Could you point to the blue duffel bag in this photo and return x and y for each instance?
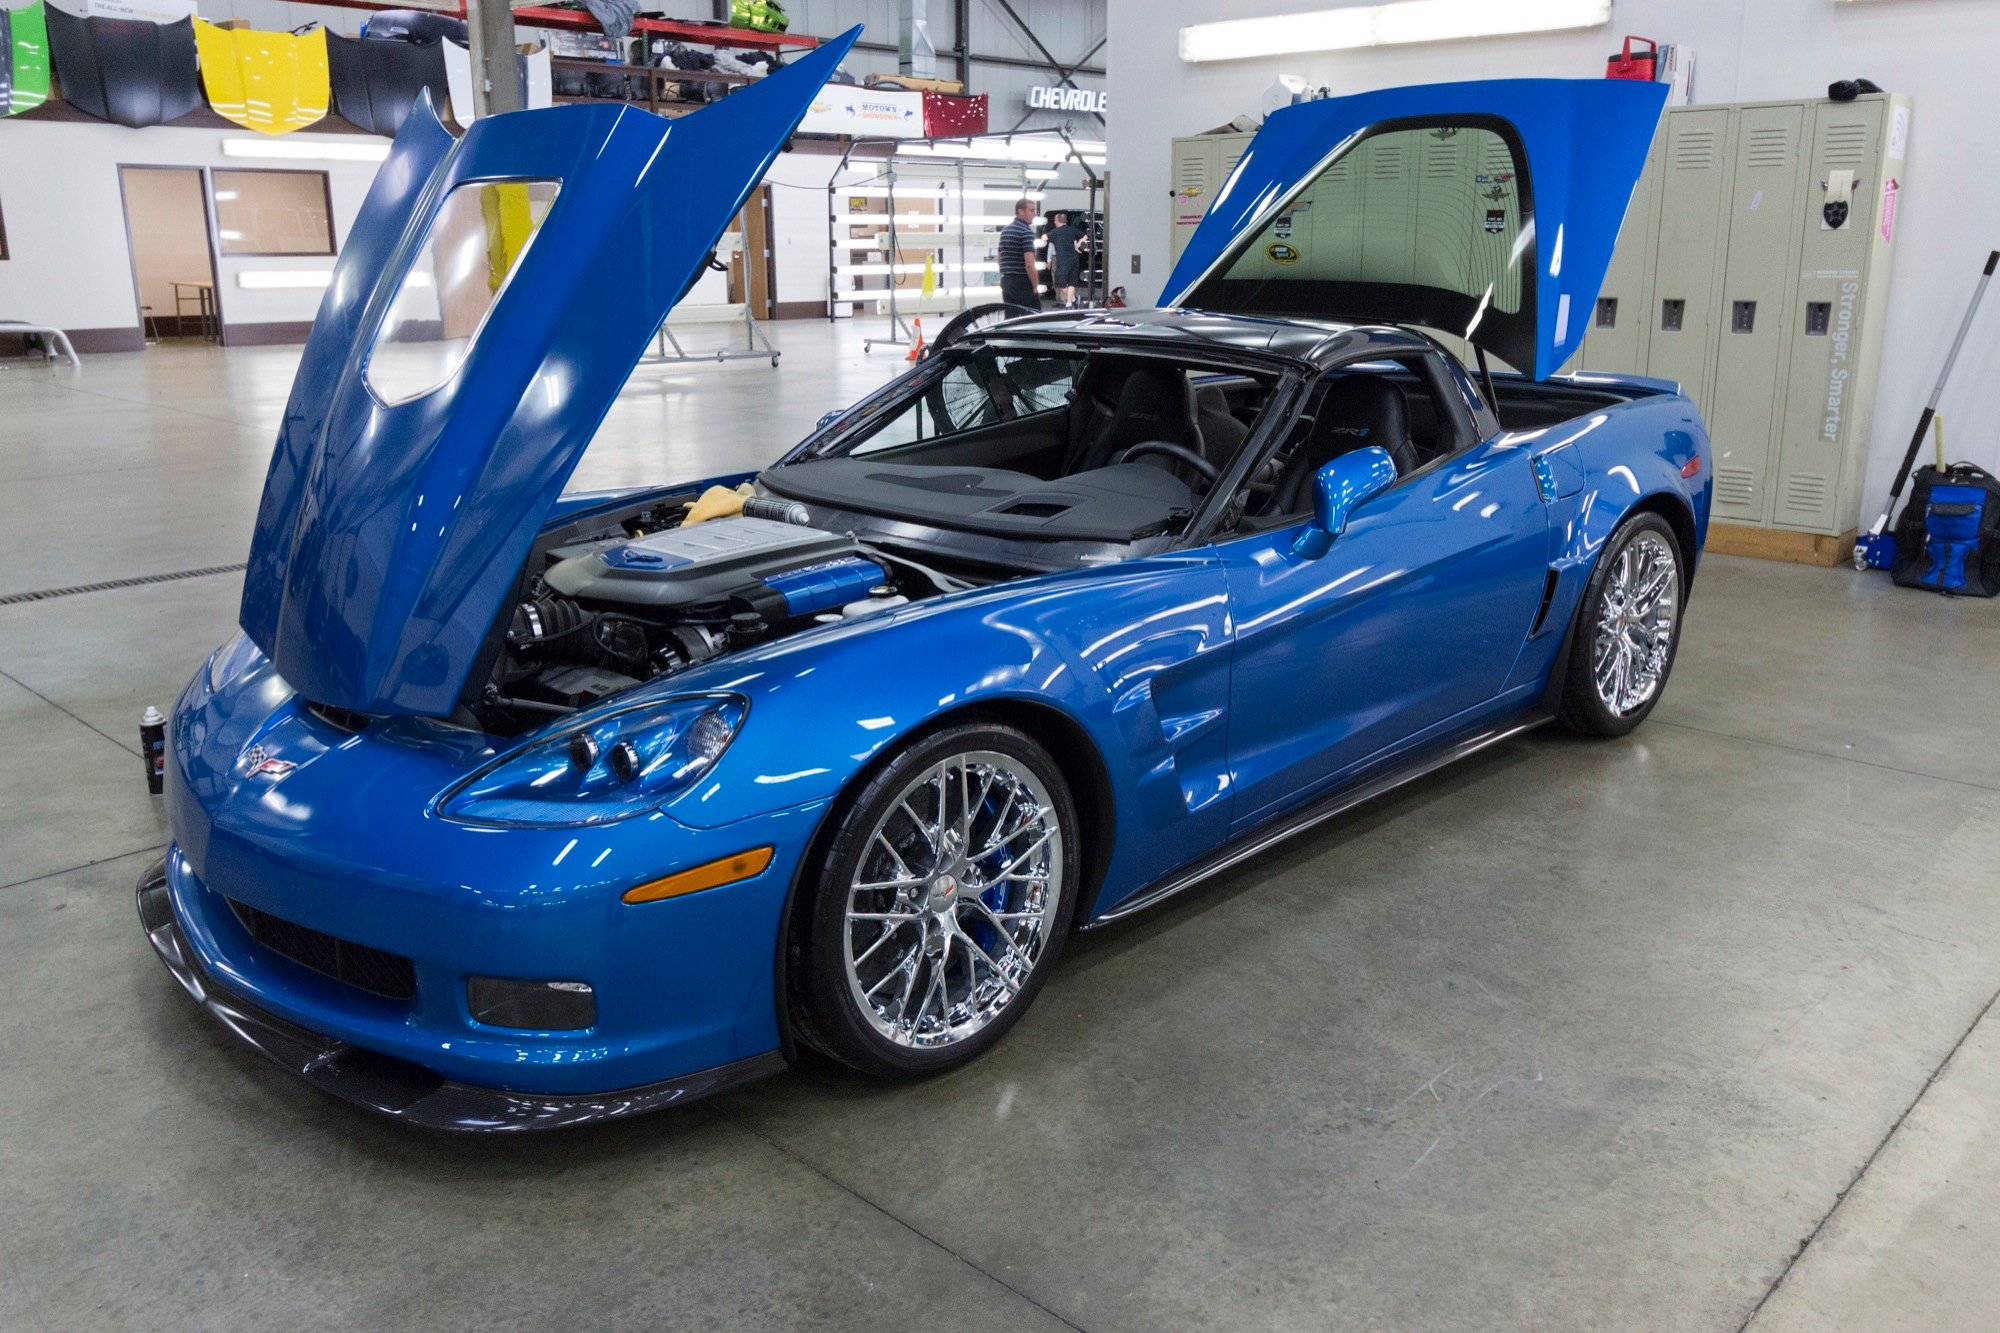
(1948, 537)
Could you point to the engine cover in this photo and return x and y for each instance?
(778, 569)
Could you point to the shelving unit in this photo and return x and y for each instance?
(943, 199)
(968, 202)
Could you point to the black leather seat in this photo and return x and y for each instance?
(1355, 412)
(1221, 433)
(1155, 403)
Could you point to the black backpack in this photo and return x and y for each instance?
(1948, 537)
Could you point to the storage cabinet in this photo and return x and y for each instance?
(1753, 268)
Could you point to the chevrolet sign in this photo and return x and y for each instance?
(1052, 97)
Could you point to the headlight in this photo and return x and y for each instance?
(612, 767)
(231, 660)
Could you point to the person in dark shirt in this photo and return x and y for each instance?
(1018, 276)
(1065, 258)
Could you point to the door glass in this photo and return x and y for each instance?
(475, 245)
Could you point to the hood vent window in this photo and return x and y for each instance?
(482, 231)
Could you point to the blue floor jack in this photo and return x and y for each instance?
(1877, 547)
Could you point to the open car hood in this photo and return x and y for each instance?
(391, 533)
(1483, 210)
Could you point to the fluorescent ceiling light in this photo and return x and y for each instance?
(1385, 25)
(306, 150)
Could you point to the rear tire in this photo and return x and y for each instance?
(1627, 629)
(948, 889)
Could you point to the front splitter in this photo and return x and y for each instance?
(400, 1089)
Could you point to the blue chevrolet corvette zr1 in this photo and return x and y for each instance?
(511, 809)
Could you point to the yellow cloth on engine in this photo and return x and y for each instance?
(718, 502)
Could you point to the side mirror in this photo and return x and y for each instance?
(1337, 489)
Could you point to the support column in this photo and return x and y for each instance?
(496, 70)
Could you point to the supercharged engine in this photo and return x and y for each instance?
(606, 615)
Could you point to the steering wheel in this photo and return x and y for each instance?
(1181, 451)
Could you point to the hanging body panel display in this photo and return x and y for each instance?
(24, 58)
(129, 71)
(537, 83)
(376, 81)
(271, 82)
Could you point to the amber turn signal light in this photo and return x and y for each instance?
(726, 870)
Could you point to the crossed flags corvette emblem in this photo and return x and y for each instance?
(257, 763)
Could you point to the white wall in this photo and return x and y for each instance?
(68, 263)
(1935, 50)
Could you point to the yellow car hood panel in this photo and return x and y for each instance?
(271, 82)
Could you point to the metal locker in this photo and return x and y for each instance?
(1846, 217)
(1616, 336)
(1683, 310)
(1193, 180)
(1200, 165)
(1760, 276)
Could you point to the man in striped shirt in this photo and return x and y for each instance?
(1018, 279)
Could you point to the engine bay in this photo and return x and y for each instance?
(610, 603)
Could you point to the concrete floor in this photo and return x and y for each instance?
(1690, 1030)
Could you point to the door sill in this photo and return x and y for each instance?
(1275, 830)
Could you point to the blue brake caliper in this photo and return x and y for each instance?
(995, 897)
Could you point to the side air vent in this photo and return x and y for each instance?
(1548, 600)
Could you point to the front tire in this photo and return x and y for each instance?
(1628, 628)
(948, 890)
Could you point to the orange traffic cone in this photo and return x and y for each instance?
(917, 348)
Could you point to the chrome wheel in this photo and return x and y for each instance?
(954, 900)
(1635, 624)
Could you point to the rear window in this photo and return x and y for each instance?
(1433, 207)
(1413, 222)
(475, 245)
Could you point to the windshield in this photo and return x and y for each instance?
(1072, 443)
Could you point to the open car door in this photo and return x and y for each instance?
(1483, 210)
(494, 293)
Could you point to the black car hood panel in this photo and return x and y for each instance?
(377, 80)
(127, 71)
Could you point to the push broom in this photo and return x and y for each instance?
(1877, 548)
